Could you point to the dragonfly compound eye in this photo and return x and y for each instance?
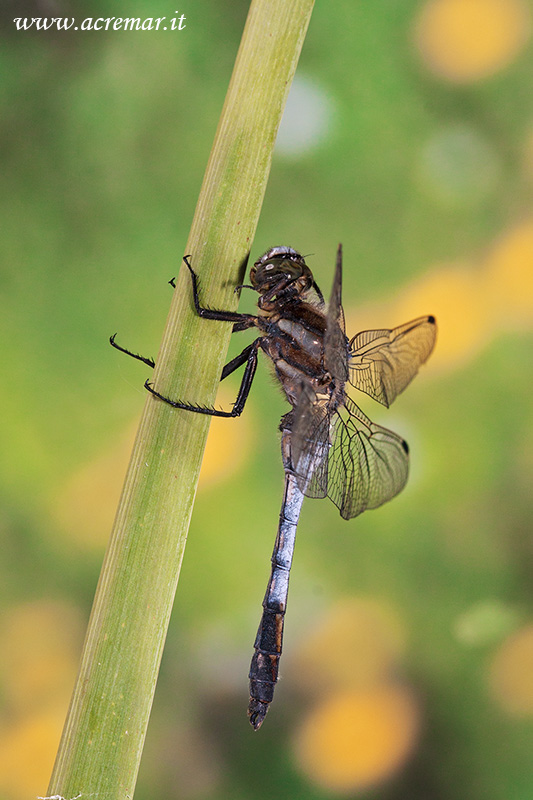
(278, 267)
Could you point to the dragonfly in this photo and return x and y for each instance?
(330, 448)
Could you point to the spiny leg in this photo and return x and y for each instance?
(249, 355)
(230, 367)
(238, 361)
(242, 320)
(148, 361)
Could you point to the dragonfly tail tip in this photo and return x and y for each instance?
(257, 713)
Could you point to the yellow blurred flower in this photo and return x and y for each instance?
(453, 293)
(357, 739)
(509, 275)
(511, 673)
(473, 304)
(364, 727)
(27, 753)
(40, 644)
(467, 40)
(228, 444)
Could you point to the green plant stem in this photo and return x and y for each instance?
(104, 733)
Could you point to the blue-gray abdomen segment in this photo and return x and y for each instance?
(269, 640)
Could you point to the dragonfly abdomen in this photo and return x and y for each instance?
(269, 640)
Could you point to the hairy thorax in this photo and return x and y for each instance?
(293, 338)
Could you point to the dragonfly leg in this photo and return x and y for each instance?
(237, 362)
(246, 384)
(148, 361)
(242, 321)
(319, 293)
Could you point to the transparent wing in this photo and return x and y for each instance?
(335, 342)
(382, 363)
(342, 454)
(364, 466)
(309, 424)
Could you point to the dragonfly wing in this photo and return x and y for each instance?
(335, 342)
(309, 438)
(366, 464)
(382, 363)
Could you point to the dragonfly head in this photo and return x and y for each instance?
(280, 275)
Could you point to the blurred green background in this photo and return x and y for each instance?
(408, 136)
